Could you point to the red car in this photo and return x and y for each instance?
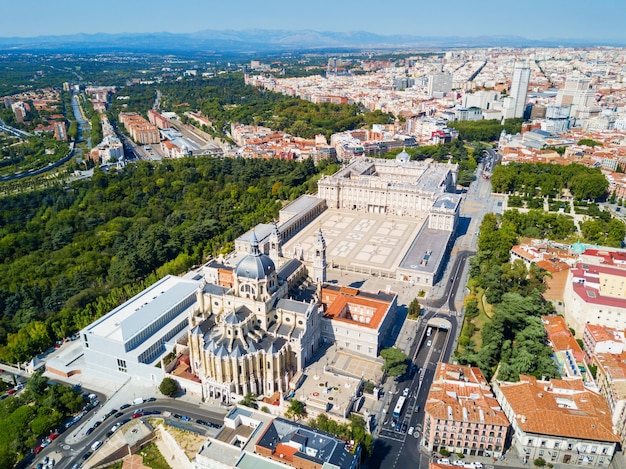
(38, 449)
(136, 415)
(10, 392)
(53, 436)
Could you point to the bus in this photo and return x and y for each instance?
(399, 406)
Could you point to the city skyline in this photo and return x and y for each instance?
(532, 20)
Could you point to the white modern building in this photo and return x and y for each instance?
(131, 339)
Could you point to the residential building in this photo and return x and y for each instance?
(567, 354)
(611, 380)
(462, 415)
(560, 421)
(439, 83)
(303, 447)
(603, 339)
(595, 294)
(140, 130)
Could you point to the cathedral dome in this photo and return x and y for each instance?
(403, 156)
(256, 265)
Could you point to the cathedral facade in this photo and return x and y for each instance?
(249, 337)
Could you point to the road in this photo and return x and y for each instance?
(73, 444)
(397, 449)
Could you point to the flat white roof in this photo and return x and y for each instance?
(146, 307)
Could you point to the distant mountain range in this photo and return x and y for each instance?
(258, 40)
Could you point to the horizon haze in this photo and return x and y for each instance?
(533, 19)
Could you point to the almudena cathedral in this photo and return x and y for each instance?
(251, 322)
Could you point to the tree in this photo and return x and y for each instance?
(295, 410)
(38, 383)
(395, 361)
(249, 400)
(539, 462)
(168, 387)
(414, 308)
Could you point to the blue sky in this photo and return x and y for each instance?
(534, 19)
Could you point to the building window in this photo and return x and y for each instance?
(121, 365)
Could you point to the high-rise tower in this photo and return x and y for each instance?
(516, 102)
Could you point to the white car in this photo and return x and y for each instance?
(96, 445)
(405, 393)
(478, 465)
(411, 430)
(429, 343)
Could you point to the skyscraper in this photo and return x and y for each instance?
(515, 104)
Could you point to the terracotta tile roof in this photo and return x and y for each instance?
(347, 305)
(559, 408)
(560, 336)
(461, 393)
(604, 333)
(614, 367)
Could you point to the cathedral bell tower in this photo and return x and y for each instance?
(276, 250)
(319, 259)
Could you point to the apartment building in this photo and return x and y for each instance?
(140, 130)
(595, 294)
(611, 380)
(462, 414)
(560, 421)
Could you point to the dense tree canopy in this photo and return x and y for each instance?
(485, 130)
(225, 99)
(67, 256)
(549, 180)
(32, 413)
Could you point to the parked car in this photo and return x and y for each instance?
(96, 444)
(124, 406)
(411, 430)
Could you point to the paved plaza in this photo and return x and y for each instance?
(359, 241)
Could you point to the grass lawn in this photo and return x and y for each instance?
(153, 458)
(483, 305)
(477, 323)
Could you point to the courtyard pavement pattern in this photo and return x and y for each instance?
(363, 240)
